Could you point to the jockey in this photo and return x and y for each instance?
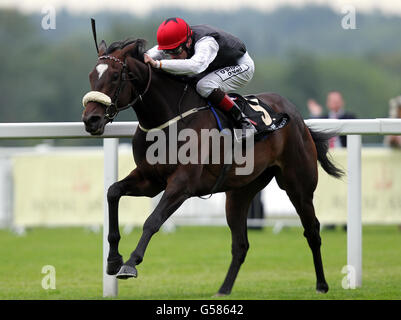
(217, 60)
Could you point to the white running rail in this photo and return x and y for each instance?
(352, 128)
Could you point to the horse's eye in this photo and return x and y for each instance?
(115, 76)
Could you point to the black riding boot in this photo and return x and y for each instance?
(220, 99)
(246, 126)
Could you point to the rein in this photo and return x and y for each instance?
(174, 120)
(111, 104)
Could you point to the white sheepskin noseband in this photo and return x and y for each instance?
(96, 96)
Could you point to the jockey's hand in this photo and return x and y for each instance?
(148, 59)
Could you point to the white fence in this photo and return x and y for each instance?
(353, 128)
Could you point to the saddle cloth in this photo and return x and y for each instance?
(264, 118)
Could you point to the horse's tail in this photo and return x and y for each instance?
(321, 139)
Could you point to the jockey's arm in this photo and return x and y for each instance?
(205, 52)
(157, 54)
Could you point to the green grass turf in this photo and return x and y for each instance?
(191, 264)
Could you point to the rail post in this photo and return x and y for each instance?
(110, 148)
(354, 220)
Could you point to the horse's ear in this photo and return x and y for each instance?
(140, 49)
(135, 49)
(102, 48)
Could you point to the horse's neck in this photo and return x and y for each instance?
(165, 99)
(179, 95)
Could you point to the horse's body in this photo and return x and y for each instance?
(289, 154)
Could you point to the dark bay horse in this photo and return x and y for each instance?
(121, 79)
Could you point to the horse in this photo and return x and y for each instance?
(121, 80)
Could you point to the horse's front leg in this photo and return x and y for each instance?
(133, 185)
(174, 195)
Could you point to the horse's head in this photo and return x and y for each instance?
(111, 83)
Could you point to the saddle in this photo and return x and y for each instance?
(263, 117)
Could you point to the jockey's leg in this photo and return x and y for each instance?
(215, 85)
(221, 99)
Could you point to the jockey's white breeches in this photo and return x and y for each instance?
(227, 79)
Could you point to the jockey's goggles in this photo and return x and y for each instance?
(176, 51)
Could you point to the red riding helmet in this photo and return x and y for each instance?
(172, 33)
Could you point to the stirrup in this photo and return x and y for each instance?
(248, 130)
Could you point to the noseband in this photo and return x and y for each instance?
(112, 108)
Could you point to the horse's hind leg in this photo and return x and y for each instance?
(237, 205)
(300, 183)
(236, 212)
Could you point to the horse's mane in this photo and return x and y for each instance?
(136, 53)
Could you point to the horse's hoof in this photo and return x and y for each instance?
(127, 272)
(322, 288)
(113, 266)
(222, 293)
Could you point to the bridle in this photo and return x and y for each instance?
(111, 104)
(113, 109)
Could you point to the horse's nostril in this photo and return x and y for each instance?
(93, 123)
(93, 120)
